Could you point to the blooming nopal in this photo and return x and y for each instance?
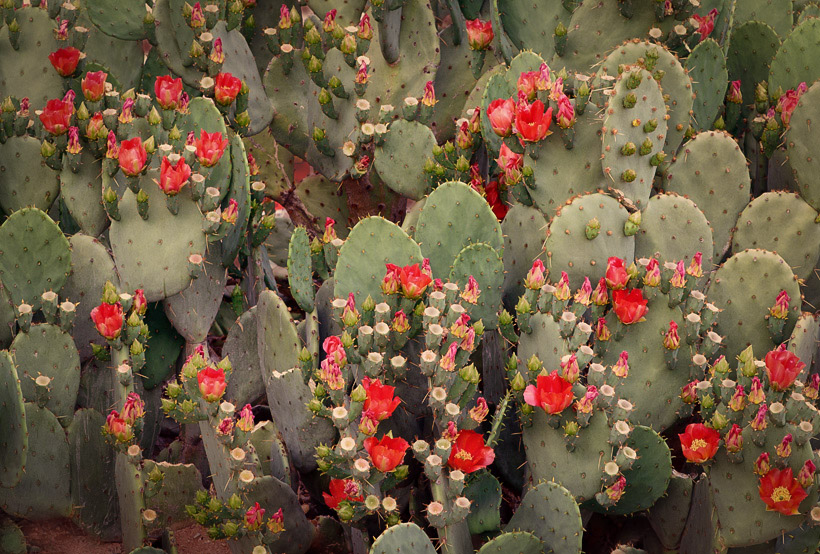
(340, 490)
(254, 517)
(495, 201)
(380, 402)
(508, 160)
(529, 83)
(211, 383)
(333, 349)
(132, 156)
(705, 23)
(501, 113)
(133, 409)
(630, 306)
(781, 491)
(532, 122)
(65, 60)
(168, 91)
(616, 274)
(479, 34)
(699, 443)
(469, 453)
(108, 319)
(118, 428)
(788, 102)
(172, 177)
(413, 281)
(226, 88)
(552, 393)
(210, 147)
(386, 453)
(782, 368)
(56, 116)
(93, 85)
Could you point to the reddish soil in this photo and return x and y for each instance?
(60, 536)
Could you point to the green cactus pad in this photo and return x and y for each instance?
(167, 31)
(43, 492)
(647, 479)
(801, 146)
(121, 59)
(624, 125)
(455, 216)
(711, 171)
(651, 386)
(34, 256)
(245, 384)
(485, 265)
(745, 287)
(27, 73)
(549, 511)
(484, 491)
(569, 250)
(180, 483)
(790, 65)
(777, 13)
(559, 173)
(751, 48)
(804, 339)
(239, 62)
(6, 318)
(134, 240)
(783, 223)
(669, 514)
(742, 515)
(82, 194)
(27, 180)
(531, 25)
(164, 347)
(91, 267)
(674, 82)
(288, 394)
(520, 542)
(300, 269)
(193, 310)
(324, 199)
(290, 121)
(276, 245)
(545, 342)
(372, 243)
(673, 228)
(404, 538)
(398, 160)
(706, 66)
(118, 19)
(147, 550)
(273, 455)
(240, 191)
(578, 471)
(14, 439)
(524, 230)
(12, 540)
(803, 540)
(272, 494)
(275, 162)
(347, 13)
(92, 464)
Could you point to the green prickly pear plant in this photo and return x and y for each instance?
(407, 276)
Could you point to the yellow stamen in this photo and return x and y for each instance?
(464, 455)
(697, 444)
(781, 494)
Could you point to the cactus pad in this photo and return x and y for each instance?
(398, 159)
(14, 440)
(801, 146)
(404, 538)
(485, 265)
(549, 511)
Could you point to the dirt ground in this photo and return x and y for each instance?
(63, 537)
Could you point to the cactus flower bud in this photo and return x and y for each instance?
(73, 146)
(501, 113)
(584, 294)
(739, 400)
(168, 91)
(210, 147)
(566, 112)
(480, 411)
(254, 517)
(65, 60)
(616, 274)
(810, 391)
(133, 409)
(621, 367)
(172, 177)
(231, 212)
(400, 322)
(211, 383)
(806, 475)
(780, 310)
(678, 279)
(734, 439)
(536, 277)
(108, 319)
(671, 340)
(689, 393)
(479, 34)
(226, 88)
(759, 422)
(93, 85)
(132, 157)
(602, 332)
(616, 490)
(429, 96)
(118, 428)
(784, 449)
(762, 465)
(569, 368)
(56, 116)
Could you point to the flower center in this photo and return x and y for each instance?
(463, 455)
(697, 444)
(781, 494)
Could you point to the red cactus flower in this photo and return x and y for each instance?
(616, 274)
(118, 428)
(133, 409)
(334, 349)
(380, 402)
(699, 442)
(479, 34)
(413, 281)
(469, 452)
(226, 88)
(529, 83)
(508, 160)
(168, 91)
(552, 393)
(211, 383)
(132, 156)
(108, 319)
(210, 147)
(498, 206)
(532, 122)
(339, 492)
(56, 116)
(254, 517)
(140, 305)
(782, 368)
(781, 492)
(706, 24)
(630, 306)
(501, 113)
(93, 85)
(65, 60)
(386, 453)
(172, 177)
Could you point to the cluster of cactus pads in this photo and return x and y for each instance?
(402, 276)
